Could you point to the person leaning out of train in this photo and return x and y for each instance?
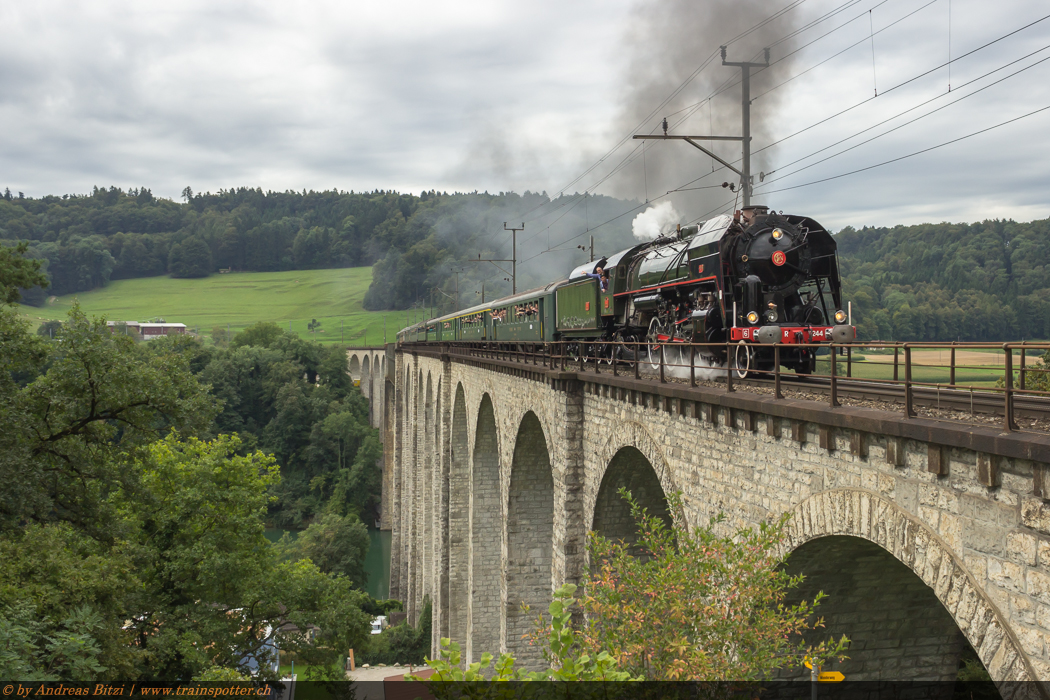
(602, 276)
(599, 273)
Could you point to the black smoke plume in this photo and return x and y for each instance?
(665, 44)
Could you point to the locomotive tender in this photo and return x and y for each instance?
(743, 282)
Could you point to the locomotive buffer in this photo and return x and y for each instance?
(746, 184)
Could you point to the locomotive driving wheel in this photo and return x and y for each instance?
(744, 360)
(572, 351)
(656, 329)
(605, 352)
(620, 349)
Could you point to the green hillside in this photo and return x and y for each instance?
(289, 298)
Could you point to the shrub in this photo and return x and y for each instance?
(400, 644)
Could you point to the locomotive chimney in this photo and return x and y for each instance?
(749, 213)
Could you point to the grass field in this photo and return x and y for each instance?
(291, 299)
(964, 376)
(974, 367)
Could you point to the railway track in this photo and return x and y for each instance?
(972, 401)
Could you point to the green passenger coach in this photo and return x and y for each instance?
(578, 308)
(472, 326)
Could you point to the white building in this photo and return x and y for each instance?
(149, 331)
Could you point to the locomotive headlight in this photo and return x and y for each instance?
(840, 316)
(771, 316)
(777, 234)
(752, 317)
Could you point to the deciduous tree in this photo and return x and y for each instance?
(697, 605)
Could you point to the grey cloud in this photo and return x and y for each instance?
(506, 96)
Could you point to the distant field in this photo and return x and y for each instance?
(977, 367)
(968, 376)
(291, 299)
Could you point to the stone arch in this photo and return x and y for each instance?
(388, 460)
(429, 453)
(408, 469)
(405, 481)
(486, 520)
(418, 467)
(366, 376)
(439, 539)
(406, 392)
(841, 515)
(631, 469)
(530, 534)
(647, 453)
(355, 368)
(454, 605)
(378, 385)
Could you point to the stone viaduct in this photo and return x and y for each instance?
(928, 536)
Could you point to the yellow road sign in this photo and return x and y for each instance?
(808, 664)
(831, 677)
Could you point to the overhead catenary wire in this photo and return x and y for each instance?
(907, 82)
(730, 82)
(911, 121)
(839, 53)
(733, 81)
(895, 87)
(687, 188)
(915, 153)
(855, 44)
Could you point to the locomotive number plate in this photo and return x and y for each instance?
(779, 258)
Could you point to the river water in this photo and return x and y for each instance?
(377, 564)
(377, 561)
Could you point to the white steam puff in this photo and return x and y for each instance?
(655, 221)
(676, 364)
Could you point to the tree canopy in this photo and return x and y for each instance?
(985, 281)
(132, 518)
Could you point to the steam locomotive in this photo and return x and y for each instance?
(740, 283)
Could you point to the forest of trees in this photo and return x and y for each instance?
(138, 481)
(980, 281)
(985, 281)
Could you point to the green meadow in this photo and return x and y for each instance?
(239, 299)
(925, 372)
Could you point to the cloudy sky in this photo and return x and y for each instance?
(497, 95)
